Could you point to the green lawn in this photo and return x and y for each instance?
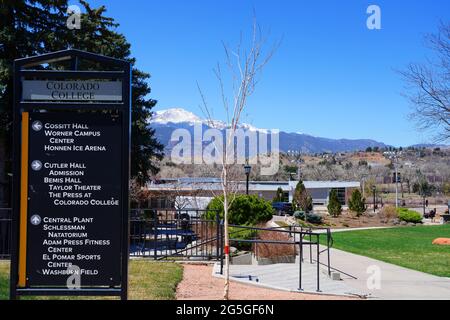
(409, 247)
(148, 280)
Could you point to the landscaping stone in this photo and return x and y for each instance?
(442, 241)
(335, 276)
(403, 223)
(242, 259)
(274, 260)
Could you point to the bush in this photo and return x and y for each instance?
(243, 234)
(299, 215)
(409, 215)
(356, 203)
(313, 218)
(273, 250)
(334, 206)
(244, 210)
(388, 213)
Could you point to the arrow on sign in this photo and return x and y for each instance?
(36, 165)
(35, 220)
(37, 126)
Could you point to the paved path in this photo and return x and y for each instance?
(272, 224)
(285, 276)
(353, 229)
(396, 282)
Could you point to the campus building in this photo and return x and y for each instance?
(197, 192)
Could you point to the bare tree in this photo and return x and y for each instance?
(182, 196)
(244, 65)
(428, 86)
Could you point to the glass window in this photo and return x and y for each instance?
(341, 195)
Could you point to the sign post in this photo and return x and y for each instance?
(71, 173)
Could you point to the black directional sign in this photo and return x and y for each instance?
(75, 203)
(71, 166)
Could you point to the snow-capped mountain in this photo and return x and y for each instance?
(175, 115)
(180, 115)
(166, 121)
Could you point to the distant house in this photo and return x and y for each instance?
(188, 192)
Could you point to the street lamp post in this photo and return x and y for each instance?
(374, 190)
(247, 169)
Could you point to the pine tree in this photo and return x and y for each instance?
(279, 197)
(302, 200)
(27, 28)
(334, 206)
(97, 35)
(34, 27)
(356, 203)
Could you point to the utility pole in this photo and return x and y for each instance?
(396, 181)
(363, 178)
(374, 190)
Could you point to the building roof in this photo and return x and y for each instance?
(188, 184)
(328, 184)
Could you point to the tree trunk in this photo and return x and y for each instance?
(227, 240)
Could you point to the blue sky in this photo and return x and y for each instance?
(331, 77)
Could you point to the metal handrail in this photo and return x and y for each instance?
(302, 234)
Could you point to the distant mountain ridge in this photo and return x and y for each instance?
(166, 121)
(430, 146)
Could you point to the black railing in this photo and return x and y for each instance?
(329, 242)
(174, 233)
(294, 236)
(5, 233)
(155, 233)
(192, 233)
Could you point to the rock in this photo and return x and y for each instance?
(403, 223)
(442, 241)
(335, 276)
(274, 260)
(242, 259)
(410, 224)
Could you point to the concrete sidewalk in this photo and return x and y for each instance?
(395, 282)
(285, 276)
(273, 224)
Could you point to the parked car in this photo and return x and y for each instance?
(283, 208)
